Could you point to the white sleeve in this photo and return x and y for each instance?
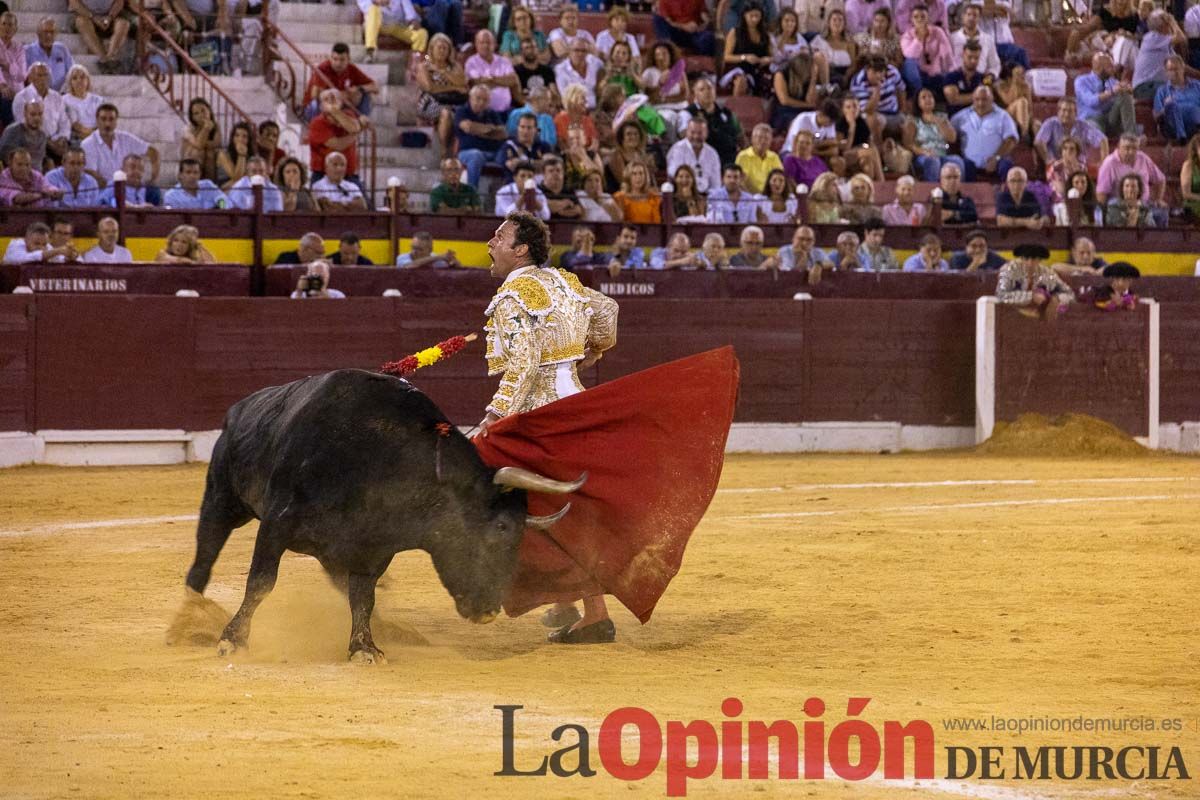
(64, 124)
(505, 201)
(16, 253)
(712, 167)
(604, 42)
(18, 106)
(991, 58)
(1191, 23)
(674, 161)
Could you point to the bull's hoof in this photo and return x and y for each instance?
(373, 656)
(601, 632)
(558, 616)
(226, 647)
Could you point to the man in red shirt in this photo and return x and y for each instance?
(685, 22)
(355, 86)
(334, 129)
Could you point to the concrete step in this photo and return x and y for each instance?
(378, 72)
(383, 116)
(121, 86)
(51, 6)
(415, 179)
(318, 51)
(166, 128)
(325, 31)
(411, 157)
(317, 12)
(28, 20)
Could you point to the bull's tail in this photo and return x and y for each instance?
(220, 513)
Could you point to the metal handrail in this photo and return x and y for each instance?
(191, 81)
(280, 74)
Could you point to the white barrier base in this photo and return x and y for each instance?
(851, 437)
(19, 448)
(114, 448)
(148, 447)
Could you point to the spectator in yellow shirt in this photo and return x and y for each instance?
(758, 160)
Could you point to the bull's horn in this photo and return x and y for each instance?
(518, 478)
(545, 523)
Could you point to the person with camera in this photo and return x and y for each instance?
(315, 283)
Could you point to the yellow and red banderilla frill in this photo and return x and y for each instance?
(424, 358)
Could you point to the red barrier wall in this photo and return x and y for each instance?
(16, 364)
(1180, 362)
(235, 280)
(767, 334)
(912, 361)
(1088, 363)
(103, 362)
(210, 280)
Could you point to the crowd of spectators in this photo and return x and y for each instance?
(865, 114)
(883, 97)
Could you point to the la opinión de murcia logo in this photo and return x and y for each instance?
(742, 749)
(677, 741)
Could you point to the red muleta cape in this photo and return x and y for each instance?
(653, 444)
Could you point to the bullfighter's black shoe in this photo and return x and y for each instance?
(556, 617)
(600, 632)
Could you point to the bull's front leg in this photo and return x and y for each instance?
(362, 603)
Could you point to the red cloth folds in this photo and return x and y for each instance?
(653, 444)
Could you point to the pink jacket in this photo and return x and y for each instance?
(10, 188)
(935, 55)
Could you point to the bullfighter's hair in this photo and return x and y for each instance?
(533, 233)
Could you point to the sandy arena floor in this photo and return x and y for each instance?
(1038, 588)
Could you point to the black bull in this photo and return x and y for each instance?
(352, 467)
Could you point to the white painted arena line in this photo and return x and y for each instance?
(989, 792)
(812, 487)
(67, 527)
(920, 509)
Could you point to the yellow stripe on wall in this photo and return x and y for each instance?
(474, 254)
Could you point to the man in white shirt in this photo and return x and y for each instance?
(55, 123)
(107, 147)
(515, 197)
(107, 251)
(1191, 22)
(581, 67)
(315, 284)
(994, 21)
(820, 124)
(61, 243)
(695, 152)
(333, 192)
(989, 60)
(35, 247)
(241, 194)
